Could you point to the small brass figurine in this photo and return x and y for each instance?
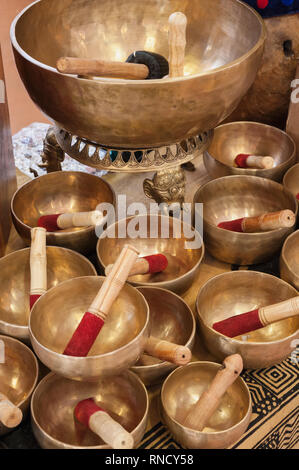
(52, 155)
(166, 186)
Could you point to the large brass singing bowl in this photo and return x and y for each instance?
(291, 180)
(238, 292)
(289, 260)
(155, 238)
(171, 319)
(62, 264)
(123, 396)
(222, 58)
(233, 197)
(56, 315)
(250, 138)
(56, 193)
(18, 374)
(182, 389)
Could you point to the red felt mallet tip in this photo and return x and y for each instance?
(239, 324)
(232, 225)
(49, 222)
(85, 335)
(33, 299)
(157, 263)
(297, 197)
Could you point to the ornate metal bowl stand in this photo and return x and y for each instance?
(168, 183)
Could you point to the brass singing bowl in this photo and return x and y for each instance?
(182, 389)
(237, 292)
(233, 197)
(250, 138)
(289, 260)
(56, 193)
(218, 68)
(291, 180)
(56, 315)
(18, 374)
(171, 319)
(123, 396)
(184, 263)
(62, 264)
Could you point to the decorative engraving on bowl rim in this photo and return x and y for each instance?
(88, 153)
(70, 446)
(254, 171)
(194, 364)
(233, 340)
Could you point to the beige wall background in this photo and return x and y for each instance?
(22, 110)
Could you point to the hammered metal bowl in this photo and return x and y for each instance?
(56, 315)
(218, 68)
(238, 292)
(55, 193)
(182, 389)
(291, 180)
(171, 319)
(62, 264)
(123, 396)
(289, 260)
(233, 197)
(185, 263)
(250, 138)
(18, 374)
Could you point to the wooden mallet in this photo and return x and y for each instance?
(256, 319)
(167, 351)
(38, 264)
(100, 422)
(146, 265)
(261, 223)
(94, 319)
(254, 161)
(10, 415)
(55, 222)
(200, 413)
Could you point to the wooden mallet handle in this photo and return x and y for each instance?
(177, 44)
(267, 222)
(102, 68)
(38, 261)
(200, 414)
(148, 264)
(10, 415)
(273, 313)
(166, 351)
(80, 219)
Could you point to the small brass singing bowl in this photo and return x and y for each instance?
(251, 138)
(18, 374)
(238, 292)
(56, 193)
(56, 315)
(234, 197)
(171, 319)
(184, 264)
(291, 180)
(123, 396)
(183, 388)
(62, 264)
(289, 260)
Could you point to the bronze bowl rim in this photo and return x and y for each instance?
(252, 171)
(71, 446)
(14, 340)
(151, 82)
(161, 284)
(160, 365)
(24, 328)
(194, 364)
(233, 340)
(257, 179)
(290, 170)
(283, 257)
(87, 358)
(58, 234)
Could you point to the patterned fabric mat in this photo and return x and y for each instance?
(274, 391)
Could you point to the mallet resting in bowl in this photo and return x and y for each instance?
(87, 412)
(55, 222)
(146, 265)
(38, 264)
(256, 319)
(254, 161)
(10, 415)
(261, 223)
